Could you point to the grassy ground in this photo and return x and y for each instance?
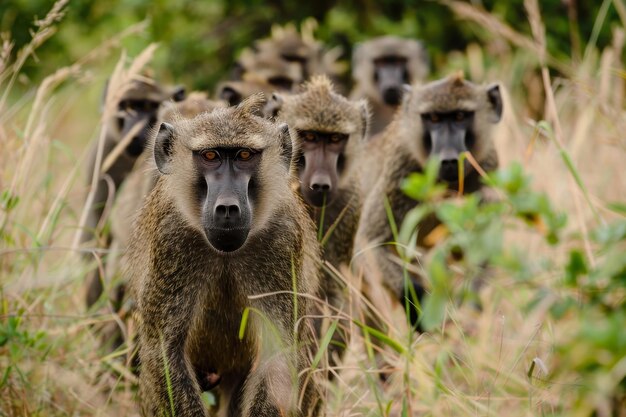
(549, 339)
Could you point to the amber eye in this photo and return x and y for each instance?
(459, 116)
(244, 155)
(309, 136)
(335, 138)
(434, 117)
(211, 155)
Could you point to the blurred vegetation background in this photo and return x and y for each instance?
(201, 39)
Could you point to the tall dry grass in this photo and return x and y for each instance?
(478, 363)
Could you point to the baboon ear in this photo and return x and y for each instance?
(364, 110)
(286, 144)
(179, 93)
(273, 106)
(495, 100)
(230, 95)
(163, 148)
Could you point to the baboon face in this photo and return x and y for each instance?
(217, 165)
(455, 116)
(132, 112)
(320, 165)
(140, 105)
(390, 74)
(329, 129)
(383, 65)
(226, 175)
(447, 135)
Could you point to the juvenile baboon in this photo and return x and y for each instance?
(441, 120)
(330, 131)
(222, 232)
(380, 68)
(136, 114)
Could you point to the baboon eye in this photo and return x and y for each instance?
(244, 155)
(336, 137)
(459, 116)
(434, 117)
(309, 136)
(211, 155)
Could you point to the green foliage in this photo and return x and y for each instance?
(201, 39)
(592, 292)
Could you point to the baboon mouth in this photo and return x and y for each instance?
(392, 96)
(227, 240)
(317, 199)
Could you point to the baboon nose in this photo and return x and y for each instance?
(392, 95)
(450, 169)
(227, 211)
(320, 187)
(320, 183)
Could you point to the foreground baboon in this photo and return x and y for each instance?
(223, 232)
(380, 68)
(137, 110)
(330, 131)
(442, 119)
(136, 187)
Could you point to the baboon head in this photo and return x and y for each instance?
(383, 65)
(329, 129)
(449, 117)
(268, 67)
(291, 46)
(139, 104)
(194, 104)
(234, 92)
(228, 171)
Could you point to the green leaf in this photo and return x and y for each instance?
(575, 267)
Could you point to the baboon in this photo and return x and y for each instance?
(380, 68)
(294, 57)
(330, 131)
(133, 191)
(268, 67)
(223, 232)
(234, 92)
(442, 119)
(303, 49)
(136, 114)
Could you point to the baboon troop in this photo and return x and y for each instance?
(246, 222)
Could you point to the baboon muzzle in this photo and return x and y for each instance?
(227, 213)
(319, 177)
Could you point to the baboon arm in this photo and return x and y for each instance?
(167, 383)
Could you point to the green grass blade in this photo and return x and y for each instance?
(325, 342)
